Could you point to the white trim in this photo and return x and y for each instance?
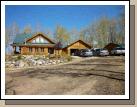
(126, 96)
(64, 2)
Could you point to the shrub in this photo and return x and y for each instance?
(19, 57)
(69, 58)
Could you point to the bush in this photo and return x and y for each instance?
(19, 57)
(8, 58)
(69, 58)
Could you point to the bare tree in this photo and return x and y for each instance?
(61, 34)
(74, 35)
(121, 25)
(92, 34)
(10, 34)
(112, 31)
(27, 29)
(83, 34)
(14, 30)
(38, 27)
(102, 31)
(7, 37)
(7, 40)
(47, 31)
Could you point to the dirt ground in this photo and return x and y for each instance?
(88, 76)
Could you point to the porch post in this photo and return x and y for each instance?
(14, 49)
(20, 50)
(68, 51)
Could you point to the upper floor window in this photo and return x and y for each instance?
(40, 39)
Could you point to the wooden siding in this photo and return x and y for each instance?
(35, 51)
(77, 45)
(58, 52)
(40, 49)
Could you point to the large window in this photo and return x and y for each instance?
(40, 39)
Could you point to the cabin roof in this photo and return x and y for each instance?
(21, 38)
(28, 44)
(110, 46)
(76, 42)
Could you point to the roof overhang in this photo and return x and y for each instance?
(78, 41)
(43, 35)
(33, 45)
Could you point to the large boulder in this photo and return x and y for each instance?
(40, 62)
(16, 64)
(20, 63)
(58, 61)
(11, 66)
(54, 63)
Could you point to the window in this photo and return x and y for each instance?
(36, 49)
(39, 39)
(42, 49)
(30, 49)
(34, 41)
(51, 50)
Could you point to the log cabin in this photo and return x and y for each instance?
(33, 44)
(41, 44)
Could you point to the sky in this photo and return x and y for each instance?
(70, 17)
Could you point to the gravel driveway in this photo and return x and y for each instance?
(90, 76)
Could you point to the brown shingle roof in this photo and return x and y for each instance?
(78, 41)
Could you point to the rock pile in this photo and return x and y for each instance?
(30, 61)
